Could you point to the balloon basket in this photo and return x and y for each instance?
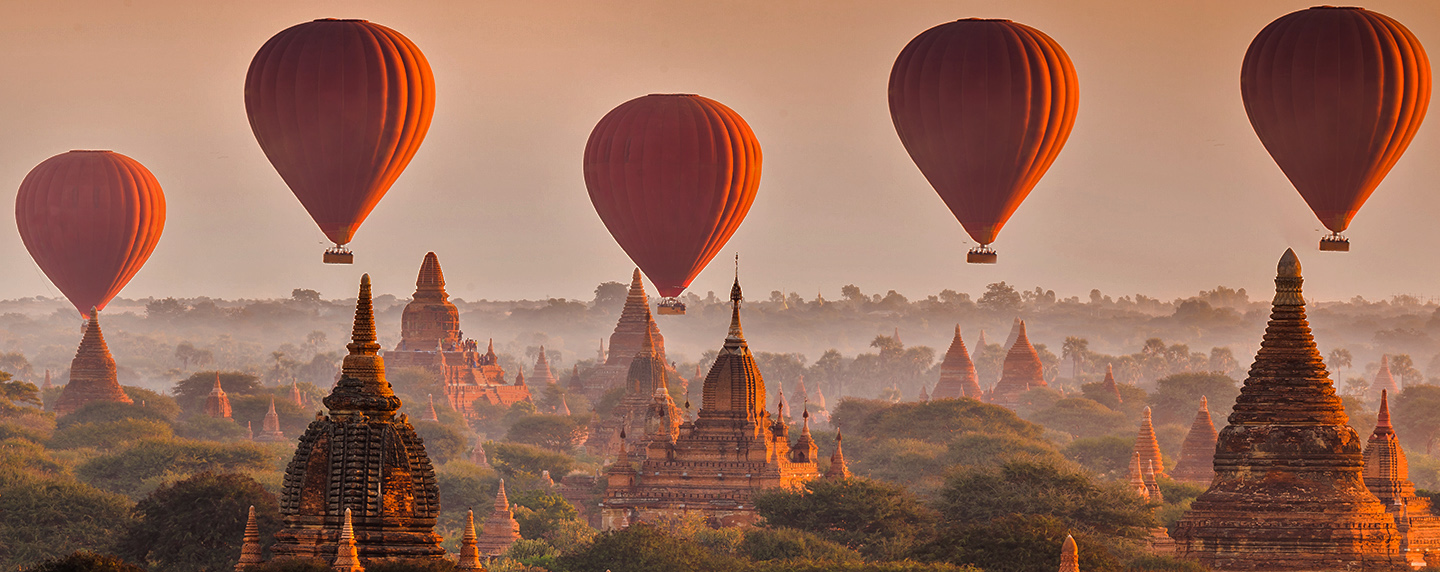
(339, 255)
(981, 255)
(670, 307)
(1335, 243)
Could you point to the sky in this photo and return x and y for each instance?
(1163, 188)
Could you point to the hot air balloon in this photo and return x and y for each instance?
(339, 107)
(1336, 95)
(90, 219)
(672, 177)
(983, 107)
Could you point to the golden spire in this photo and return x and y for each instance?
(250, 554)
(347, 558)
(1147, 446)
(502, 501)
(837, 469)
(469, 552)
(735, 340)
(1069, 555)
(1382, 424)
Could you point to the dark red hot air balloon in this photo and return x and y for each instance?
(983, 107)
(672, 177)
(1336, 95)
(339, 107)
(90, 219)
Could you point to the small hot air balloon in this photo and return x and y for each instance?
(1336, 95)
(983, 107)
(672, 177)
(339, 107)
(90, 219)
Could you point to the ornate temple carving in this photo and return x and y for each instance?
(361, 456)
(713, 465)
(92, 372)
(1288, 492)
(957, 372)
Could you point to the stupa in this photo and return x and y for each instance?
(217, 404)
(542, 375)
(250, 550)
(92, 372)
(361, 456)
(647, 375)
(635, 321)
(1022, 371)
(957, 372)
(838, 469)
(1384, 381)
(1147, 446)
(1288, 492)
(715, 463)
(1387, 475)
(430, 338)
(1197, 453)
(500, 530)
(1111, 388)
(469, 546)
(1069, 555)
(270, 428)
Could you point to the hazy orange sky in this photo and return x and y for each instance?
(1163, 188)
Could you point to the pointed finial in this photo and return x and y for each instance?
(1384, 419)
(1204, 404)
(469, 549)
(1288, 281)
(502, 501)
(635, 280)
(362, 336)
(347, 558)
(1289, 266)
(250, 553)
(1069, 555)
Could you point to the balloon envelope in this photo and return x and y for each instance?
(983, 107)
(1336, 95)
(339, 107)
(90, 219)
(672, 177)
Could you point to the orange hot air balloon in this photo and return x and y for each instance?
(339, 107)
(672, 177)
(983, 107)
(90, 219)
(1336, 95)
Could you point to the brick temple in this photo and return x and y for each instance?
(1387, 475)
(957, 373)
(430, 338)
(648, 378)
(1197, 452)
(360, 457)
(1022, 370)
(635, 321)
(92, 372)
(711, 466)
(1289, 491)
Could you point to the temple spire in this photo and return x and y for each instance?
(1197, 453)
(1382, 423)
(1110, 386)
(837, 469)
(1069, 555)
(469, 552)
(362, 386)
(92, 372)
(1147, 446)
(250, 553)
(347, 558)
(735, 339)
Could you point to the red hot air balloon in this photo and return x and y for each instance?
(90, 219)
(983, 107)
(339, 107)
(1336, 95)
(672, 177)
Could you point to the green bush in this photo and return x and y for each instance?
(791, 544)
(48, 518)
(108, 411)
(442, 442)
(146, 464)
(198, 523)
(108, 435)
(85, 561)
(524, 463)
(207, 428)
(644, 548)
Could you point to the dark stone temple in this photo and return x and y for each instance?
(1289, 491)
(361, 457)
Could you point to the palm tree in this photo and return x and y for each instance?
(1074, 349)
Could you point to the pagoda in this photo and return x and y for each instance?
(957, 372)
(1289, 492)
(500, 530)
(361, 456)
(838, 470)
(217, 404)
(1384, 381)
(712, 466)
(270, 428)
(1022, 371)
(635, 321)
(1197, 453)
(1147, 447)
(647, 377)
(92, 372)
(430, 338)
(1109, 386)
(542, 373)
(1069, 555)
(1387, 475)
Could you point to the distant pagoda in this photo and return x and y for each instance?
(1289, 492)
(92, 372)
(710, 467)
(1387, 475)
(361, 457)
(270, 428)
(635, 321)
(1384, 381)
(1147, 446)
(1197, 453)
(500, 530)
(1109, 386)
(1022, 370)
(542, 375)
(957, 373)
(217, 404)
(647, 376)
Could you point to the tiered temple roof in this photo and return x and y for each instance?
(1387, 475)
(92, 372)
(1288, 492)
(469, 547)
(217, 404)
(250, 551)
(635, 321)
(1384, 381)
(647, 376)
(1110, 386)
(1022, 371)
(1147, 446)
(1197, 453)
(542, 374)
(270, 428)
(500, 530)
(838, 469)
(957, 372)
(717, 462)
(361, 456)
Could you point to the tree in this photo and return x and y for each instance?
(610, 296)
(518, 461)
(442, 442)
(851, 293)
(108, 435)
(1080, 417)
(1074, 349)
(191, 392)
(541, 513)
(464, 485)
(199, 523)
(875, 518)
(1222, 360)
(131, 471)
(1177, 396)
(983, 495)
(44, 518)
(85, 561)
(644, 548)
(1000, 297)
(305, 296)
(1417, 416)
(19, 392)
(791, 544)
(1107, 457)
(112, 411)
(1017, 543)
(559, 433)
(1404, 368)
